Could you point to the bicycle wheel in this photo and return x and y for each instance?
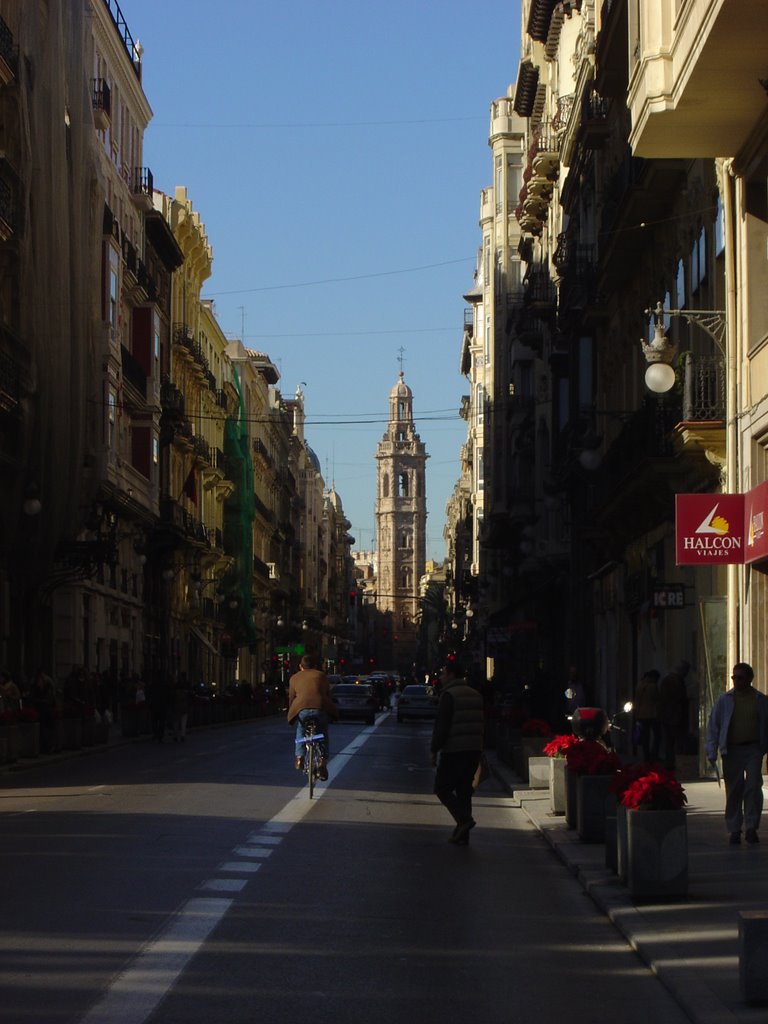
(309, 759)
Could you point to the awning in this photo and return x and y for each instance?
(203, 640)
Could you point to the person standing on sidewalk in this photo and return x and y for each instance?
(646, 712)
(738, 729)
(457, 742)
(672, 710)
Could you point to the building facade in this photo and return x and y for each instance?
(628, 199)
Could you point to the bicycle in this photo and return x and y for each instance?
(313, 754)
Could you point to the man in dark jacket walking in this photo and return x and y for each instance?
(457, 738)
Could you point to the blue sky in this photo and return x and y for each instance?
(343, 143)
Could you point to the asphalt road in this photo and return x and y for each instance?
(197, 882)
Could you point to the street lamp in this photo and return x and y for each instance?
(660, 351)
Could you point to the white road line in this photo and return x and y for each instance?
(136, 993)
(224, 884)
(134, 996)
(252, 851)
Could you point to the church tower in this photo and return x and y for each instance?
(401, 529)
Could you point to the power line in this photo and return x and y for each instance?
(338, 280)
(357, 334)
(291, 125)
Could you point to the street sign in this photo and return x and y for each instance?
(290, 649)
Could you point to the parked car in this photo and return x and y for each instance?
(417, 702)
(355, 701)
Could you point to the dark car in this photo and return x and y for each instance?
(416, 702)
(356, 700)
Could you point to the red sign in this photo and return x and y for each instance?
(709, 529)
(756, 524)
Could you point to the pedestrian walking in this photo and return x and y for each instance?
(457, 742)
(672, 710)
(738, 730)
(646, 713)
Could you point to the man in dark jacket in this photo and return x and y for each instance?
(458, 739)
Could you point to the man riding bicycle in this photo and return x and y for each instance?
(309, 698)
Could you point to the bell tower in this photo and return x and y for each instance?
(401, 528)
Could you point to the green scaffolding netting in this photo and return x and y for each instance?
(239, 511)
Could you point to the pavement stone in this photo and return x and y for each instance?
(691, 945)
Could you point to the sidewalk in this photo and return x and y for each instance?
(691, 946)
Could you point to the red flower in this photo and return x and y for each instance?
(630, 773)
(560, 745)
(588, 757)
(657, 790)
(536, 727)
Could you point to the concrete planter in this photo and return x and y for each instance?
(10, 734)
(591, 795)
(529, 746)
(538, 772)
(571, 795)
(622, 853)
(558, 769)
(611, 834)
(71, 733)
(657, 854)
(29, 739)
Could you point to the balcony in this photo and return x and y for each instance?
(133, 372)
(261, 508)
(540, 292)
(184, 337)
(260, 449)
(102, 104)
(10, 385)
(221, 399)
(134, 53)
(695, 90)
(611, 50)
(7, 211)
(594, 128)
(171, 398)
(9, 55)
(143, 188)
(702, 427)
(202, 449)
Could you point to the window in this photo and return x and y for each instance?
(499, 185)
(114, 288)
(698, 261)
(156, 338)
(479, 468)
(488, 336)
(385, 486)
(111, 417)
(680, 285)
(404, 485)
(719, 228)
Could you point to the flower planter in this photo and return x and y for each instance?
(557, 772)
(71, 733)
(530, 746)
(10, 734)
(88, 727)
(622, 853)
(611, 833)
(591, 794)
(538, 772)
(29, 739)
(571, 792)
(657, 853)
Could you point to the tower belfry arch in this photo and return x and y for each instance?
(401, 525)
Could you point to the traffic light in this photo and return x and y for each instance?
(352, 598)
